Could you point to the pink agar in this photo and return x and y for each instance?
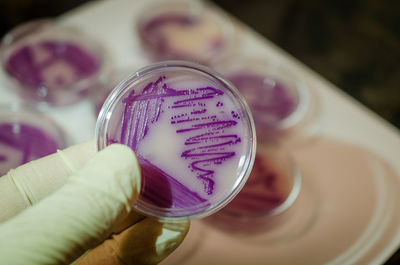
(206, 129)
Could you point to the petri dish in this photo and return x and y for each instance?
(25, 135)
(272, 188)
(281, 103)
(192, 132)
(51, 63)
(184, 30)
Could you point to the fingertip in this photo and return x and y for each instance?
(75, 156)
(117, 163)
(120, 154)
(125, 152)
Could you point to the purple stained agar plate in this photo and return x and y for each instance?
(270, 100)
(184, 30)
(192, 132)
(51, 63)
(273, 186)
(279, 101)
(25, 135)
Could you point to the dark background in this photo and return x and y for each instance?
(355, 44)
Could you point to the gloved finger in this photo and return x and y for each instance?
(29, 183)
(79, 216)
(146, 242)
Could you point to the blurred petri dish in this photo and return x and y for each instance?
(282, 104)
(273, 186)
(184, 30)
(25, 135)
(51, 63)
(192, 132)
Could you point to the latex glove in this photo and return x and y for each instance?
(93, 203)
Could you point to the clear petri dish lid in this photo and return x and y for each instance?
(51, 63)
(26, 134)
(192, 132)
(184, 30)
(283, 105)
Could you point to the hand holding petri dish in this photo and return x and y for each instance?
(26, 134)
(184, 30)
(192, 132)
(47, 62)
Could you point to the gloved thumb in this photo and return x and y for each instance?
(79, 216)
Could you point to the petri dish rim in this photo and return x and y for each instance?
(118, 92)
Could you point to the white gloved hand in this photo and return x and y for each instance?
(91, 209)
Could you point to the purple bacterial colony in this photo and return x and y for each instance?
(206, 136)
(21, 143)
(269, 100)
(50, 65)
